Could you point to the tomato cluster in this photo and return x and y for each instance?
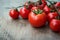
(38, 13)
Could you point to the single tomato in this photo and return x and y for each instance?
(14, 13)
(24, 12)
(37, 18)
(29, 4)
(55, 25)
(51, 15)
(41, 4)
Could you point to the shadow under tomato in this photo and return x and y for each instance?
(44, 29)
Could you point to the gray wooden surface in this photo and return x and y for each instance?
(21, 29)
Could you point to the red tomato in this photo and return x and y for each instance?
(34, 8)
(29, 4)
(44, 2)
(52, 15)
(24, 12)
(55, 25)
(14, 13)
(57, 4)
(37, 20)
(46, 9)
(41, 6)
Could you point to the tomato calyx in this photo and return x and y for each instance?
(37, 11)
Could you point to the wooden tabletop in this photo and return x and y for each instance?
(21, 29)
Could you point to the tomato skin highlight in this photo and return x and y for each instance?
(37, 20)
(51, 15)
(46, 9)
(24, 12)
(55, 25)
(14, 13)
(57, 4)
(34, 8)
